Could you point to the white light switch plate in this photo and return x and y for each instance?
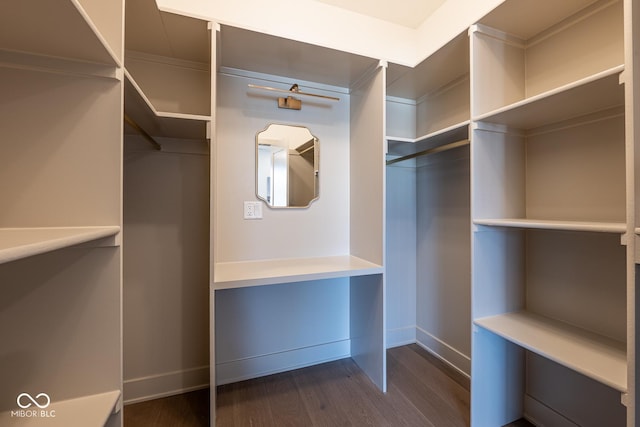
(252, 210)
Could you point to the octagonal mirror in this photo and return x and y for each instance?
(287, 166)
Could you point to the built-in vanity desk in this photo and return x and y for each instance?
(298, 285)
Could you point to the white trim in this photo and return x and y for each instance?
(165, 384)
(541, 415)
(401, 336)
(457, 360)
(254, 367)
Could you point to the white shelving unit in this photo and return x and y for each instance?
(325, 248)
(60, 220)
(431, 100)
(428, 118)
(168, 72)
(169, 66)
(158, 123)
(549, 203)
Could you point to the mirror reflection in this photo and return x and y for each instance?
(287, 162)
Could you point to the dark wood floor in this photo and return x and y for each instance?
(421, 391)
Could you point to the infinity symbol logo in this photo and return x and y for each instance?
(32, 401)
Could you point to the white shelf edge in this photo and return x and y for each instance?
(599, 227)
(590, 354)
(229, 275)
(90, 411)
(548, 94)
(64, 66)
(96, 31)
(18, 243)
(139, 91)
(429, 135)
(182, 116)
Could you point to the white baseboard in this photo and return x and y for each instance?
(444, 351)
(172, 383)
(543, 416)
(258, 366)
(167, 384)
(401, 336)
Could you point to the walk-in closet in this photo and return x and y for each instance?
(198, 193)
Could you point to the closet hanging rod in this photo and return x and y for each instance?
(293, 91)
(142, 132)
(434, 150)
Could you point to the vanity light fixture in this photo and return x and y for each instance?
(290, 102)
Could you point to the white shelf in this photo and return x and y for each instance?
(229, 275)
(89, 411)
(595, 93)
(599, 227)
(446, 65)
(158, 123)
(592, 355)
(55, 28)
(449, 134)
(253, 51)
(398, 146)
(17, 243)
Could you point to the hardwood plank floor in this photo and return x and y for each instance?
(421, 391)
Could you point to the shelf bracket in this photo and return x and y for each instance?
(624, 399)
(624, 239)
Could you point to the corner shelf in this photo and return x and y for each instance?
(598, 92)
(432, 98)
(17, 243)
(441, 136)
(168, 73)
(89, 411)
(229, 275)
(158, 123)
(590, 354)
(399, 146)
(599, 227)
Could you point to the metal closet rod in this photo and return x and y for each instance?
(142, 132)
(435, 150)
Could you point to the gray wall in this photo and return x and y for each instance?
(166, 270)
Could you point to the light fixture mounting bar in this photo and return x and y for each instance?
(293, 92)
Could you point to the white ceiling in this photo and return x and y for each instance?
(408, 13)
